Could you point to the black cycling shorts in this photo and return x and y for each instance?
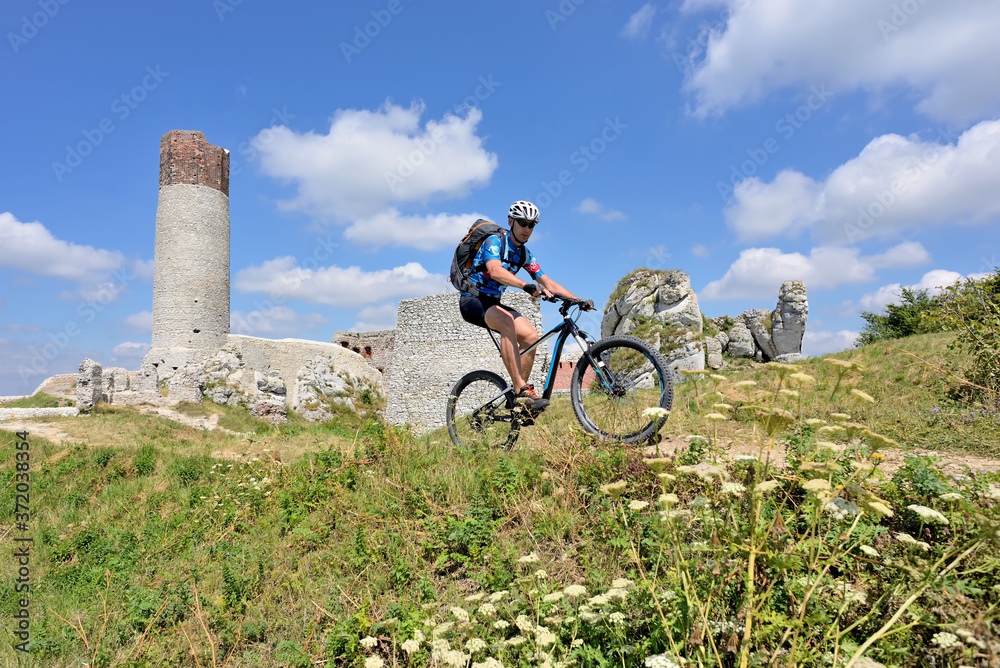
(474, 308)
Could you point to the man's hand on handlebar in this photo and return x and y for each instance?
(533, 290)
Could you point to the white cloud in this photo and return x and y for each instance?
(895, 184)
(275, 322)
(936, 50)
(20, 329)
(592, 207)
(371, 161)
(932, 281)
(339, 286)
(140, 322)
(130, 350)
(376, 318)
(143, 269)
(699, 250)
(761, 271)
(31, 248)
(430, 232)
(815, 343)
(639, 23)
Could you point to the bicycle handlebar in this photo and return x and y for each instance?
(567, 302)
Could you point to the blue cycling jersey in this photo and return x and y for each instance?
(490, 250)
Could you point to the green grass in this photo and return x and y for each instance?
(287, 545)
(40, 400)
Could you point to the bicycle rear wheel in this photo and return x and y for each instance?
(634, 377)
(481, 414)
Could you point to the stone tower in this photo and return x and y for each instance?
(191, 256)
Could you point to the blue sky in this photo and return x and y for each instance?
(852, 144)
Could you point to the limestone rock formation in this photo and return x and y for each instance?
(88, 385)
(769, 335)
(713, 353)
(788, 321)
(660, 307)
(318, 387)
(741, 340)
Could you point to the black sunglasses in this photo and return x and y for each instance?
(530, 224)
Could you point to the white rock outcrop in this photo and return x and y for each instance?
(661, 307)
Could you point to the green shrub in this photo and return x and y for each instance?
(972, 310)
(913, 315)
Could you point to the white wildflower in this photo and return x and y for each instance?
(501, 624)
(662, 661)
(553, 597)
(514, 642)
(441, 629)
(476, 645)
(368, 642)
(951, 496)
(637, 505)
(655, 413)
(616, 594)
(461, 615)
(374, 662)
(545, 638)
(575, 591)
(946, 640)
(928, 514)
(487, 610)
(617, 619)
(733, 488)
(419, 636)
(440, 645)
(497, 596)
(490, 662)
(410, 646)
(869, 550)
(528, 559)
(472, 598)
(524, 624)
(841, 509)
(622, 583)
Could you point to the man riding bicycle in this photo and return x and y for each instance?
(491, 273)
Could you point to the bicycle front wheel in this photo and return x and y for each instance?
(481, 413)
(633, 377)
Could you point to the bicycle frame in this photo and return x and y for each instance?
(563, 331)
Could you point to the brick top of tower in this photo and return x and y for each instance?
(187, 157)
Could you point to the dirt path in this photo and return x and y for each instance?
(52, 429)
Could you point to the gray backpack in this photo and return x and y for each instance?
(465, 254)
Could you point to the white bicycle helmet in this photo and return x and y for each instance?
(521, 210)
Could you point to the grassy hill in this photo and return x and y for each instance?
(348, 543)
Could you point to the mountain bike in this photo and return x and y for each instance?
(614, 383)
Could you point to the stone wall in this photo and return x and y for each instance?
(434, 347)
(376, 347)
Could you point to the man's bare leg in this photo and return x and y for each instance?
(501, 321)
(526, 335)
